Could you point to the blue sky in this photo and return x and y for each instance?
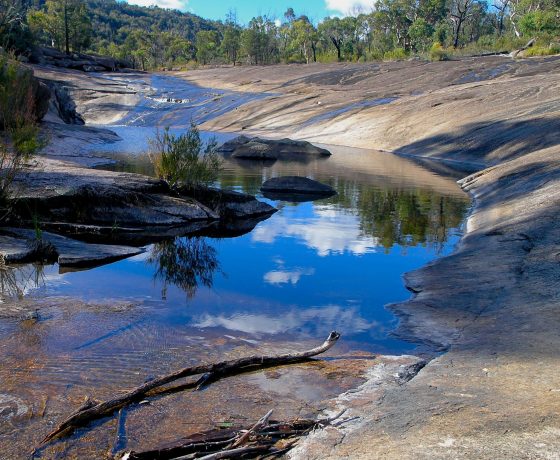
(246, 9)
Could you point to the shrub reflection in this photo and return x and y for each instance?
(187, 263)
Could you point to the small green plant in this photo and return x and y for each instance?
(438, 53)
(396, 54)
(183, 159)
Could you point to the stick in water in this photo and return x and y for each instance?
(85, 415)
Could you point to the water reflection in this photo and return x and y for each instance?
(308, 322)
(184, 262)
(18, 281)
(320, 227)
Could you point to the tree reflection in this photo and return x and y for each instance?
(186, 262)
(17, 281)
(404, 217)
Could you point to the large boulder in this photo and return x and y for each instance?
(269, 149)
(296, 188)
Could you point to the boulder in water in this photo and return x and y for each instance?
(268, 149)
(296, 188)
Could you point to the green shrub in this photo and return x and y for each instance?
(18, 128)
(395, 55)
(438, 53)
(184, 160)
(537, 50)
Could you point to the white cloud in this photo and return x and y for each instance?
(347, 7)
(173, 4)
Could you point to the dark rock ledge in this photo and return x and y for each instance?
(116, 208)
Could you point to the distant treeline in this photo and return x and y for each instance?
(154, 37)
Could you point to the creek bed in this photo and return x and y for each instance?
(313, 267)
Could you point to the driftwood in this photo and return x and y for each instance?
(527, 46)
(264, 439)
(211, 372)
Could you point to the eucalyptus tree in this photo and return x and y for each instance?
(207, 46)
(231, 41)
(65, 23)
(259, 41)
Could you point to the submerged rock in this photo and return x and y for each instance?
(269, 149)
(296, 188)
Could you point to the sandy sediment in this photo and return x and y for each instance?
(493, 304)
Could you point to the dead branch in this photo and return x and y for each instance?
(257, 426)
(84, 416)
(215, 444)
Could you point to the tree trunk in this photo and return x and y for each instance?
(66, 28)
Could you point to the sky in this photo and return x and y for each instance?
(316, 10)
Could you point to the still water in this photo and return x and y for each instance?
(312, 267)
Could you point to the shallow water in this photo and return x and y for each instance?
(310, 268)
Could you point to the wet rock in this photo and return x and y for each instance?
(257, 148)
(228, 204)
(296, 188)
(18, 245)
(110, 206)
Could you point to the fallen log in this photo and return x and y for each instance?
(85, 415)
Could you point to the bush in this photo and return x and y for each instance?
(183, 160)
(19, 139)
(438, 53)
(553, 48)
(395, 55)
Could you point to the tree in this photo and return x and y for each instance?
(460, 11)
(207, 45)
(305, 37)
(332, 29)
(14, 32)
(421, 33)
(501, 7)
(66, 24)
(259, 41)
(231, 43)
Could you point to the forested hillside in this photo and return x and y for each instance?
(154, 37)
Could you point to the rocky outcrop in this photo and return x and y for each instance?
(267, 149)
(228, 204)
(76, 61)
(20, 245)
(296, 188)
(62, 104)
(106, 205)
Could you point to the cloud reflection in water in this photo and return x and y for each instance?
(313, 322)
(328, 231)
